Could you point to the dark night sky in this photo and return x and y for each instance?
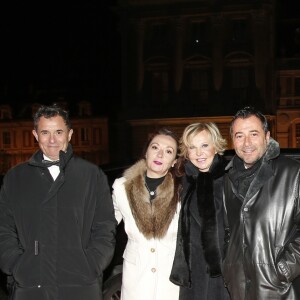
(72, 49)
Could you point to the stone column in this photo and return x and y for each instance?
(217, 51)
(178, 63)
(140, 28)
(260, 51)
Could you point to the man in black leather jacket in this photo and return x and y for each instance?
(263, 214)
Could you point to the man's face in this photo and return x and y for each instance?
(52, 135)
(249, 139)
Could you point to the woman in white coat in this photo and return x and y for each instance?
(147, 199)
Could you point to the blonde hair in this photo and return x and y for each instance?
(193, 129)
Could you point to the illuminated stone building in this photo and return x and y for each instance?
(197, 58)
(188, 59)
(288, 75)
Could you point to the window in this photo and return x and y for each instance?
(84, 108)
(240, 82)
(298, 135)
(97, 136)
(239, 31)
(5, 112)
(199, 89)
(160, 87)
(297, 86)
(158, 34)
(289, 87)
(156, 39)
(6, 139)
(84, 135)
(199, 34)
(27, 138)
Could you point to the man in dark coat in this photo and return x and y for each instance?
(263, 210)
(57, 226)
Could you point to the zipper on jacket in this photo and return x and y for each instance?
(36, 247)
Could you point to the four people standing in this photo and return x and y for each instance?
(147, 199)
(199, 252)
(57, 226)
(263, 212)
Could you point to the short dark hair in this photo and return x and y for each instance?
(50, 112)
(247, 112)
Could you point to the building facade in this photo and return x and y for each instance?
(288, 75)
(197, 58)
(187, 60)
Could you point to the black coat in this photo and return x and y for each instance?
(263, 254)
(56, 237)
(198, 257)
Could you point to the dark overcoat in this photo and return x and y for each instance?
(56, 237)
(197, 263)
(263, 253)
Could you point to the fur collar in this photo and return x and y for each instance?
(207, 212)
(199, 188)
(152, 218)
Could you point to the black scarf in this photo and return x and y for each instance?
(64, 157)
(203, 183)
(241, 177)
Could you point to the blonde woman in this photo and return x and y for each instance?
(197, 263)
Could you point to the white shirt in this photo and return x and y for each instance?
(54, 170)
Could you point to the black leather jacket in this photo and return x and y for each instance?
(263, 253)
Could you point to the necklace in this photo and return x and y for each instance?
(151, 184)
(152, 193)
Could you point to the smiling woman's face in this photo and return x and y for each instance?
(160, 155)
(201, 151)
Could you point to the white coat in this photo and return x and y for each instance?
(147, 260)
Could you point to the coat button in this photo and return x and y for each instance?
(246, 208)
(152, 250)
(153, 270)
